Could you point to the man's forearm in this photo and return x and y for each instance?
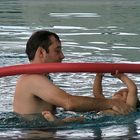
(84, 104)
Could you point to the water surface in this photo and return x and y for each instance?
(91, 31)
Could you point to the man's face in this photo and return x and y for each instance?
(55, 53)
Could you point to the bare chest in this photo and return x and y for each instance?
(44, 106)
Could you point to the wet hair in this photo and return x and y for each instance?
(38, 39)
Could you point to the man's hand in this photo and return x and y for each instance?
(121, 107)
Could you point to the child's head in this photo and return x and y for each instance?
(121, 94)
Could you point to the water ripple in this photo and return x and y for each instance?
(126, 47)
(69, 27)
(66, 15)
(79, 33)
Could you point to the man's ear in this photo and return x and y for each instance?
(41, 52)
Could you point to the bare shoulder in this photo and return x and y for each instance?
(40, 86)
(31, 83)
(32, 79)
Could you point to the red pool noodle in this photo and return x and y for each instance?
(69, 67)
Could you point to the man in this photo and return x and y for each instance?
(35, 93)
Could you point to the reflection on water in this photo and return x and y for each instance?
(95, 126)
(91, 31)
(71, 15)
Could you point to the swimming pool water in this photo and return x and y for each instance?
(91, 31)
(94, 126)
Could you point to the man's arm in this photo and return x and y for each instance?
(52, 94)
(97, 86)
(82, 103)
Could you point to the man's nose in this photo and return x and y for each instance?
(62, 56)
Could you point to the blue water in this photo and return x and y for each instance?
(91, 31)
(99, 125)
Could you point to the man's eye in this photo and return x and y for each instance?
(58, 51)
